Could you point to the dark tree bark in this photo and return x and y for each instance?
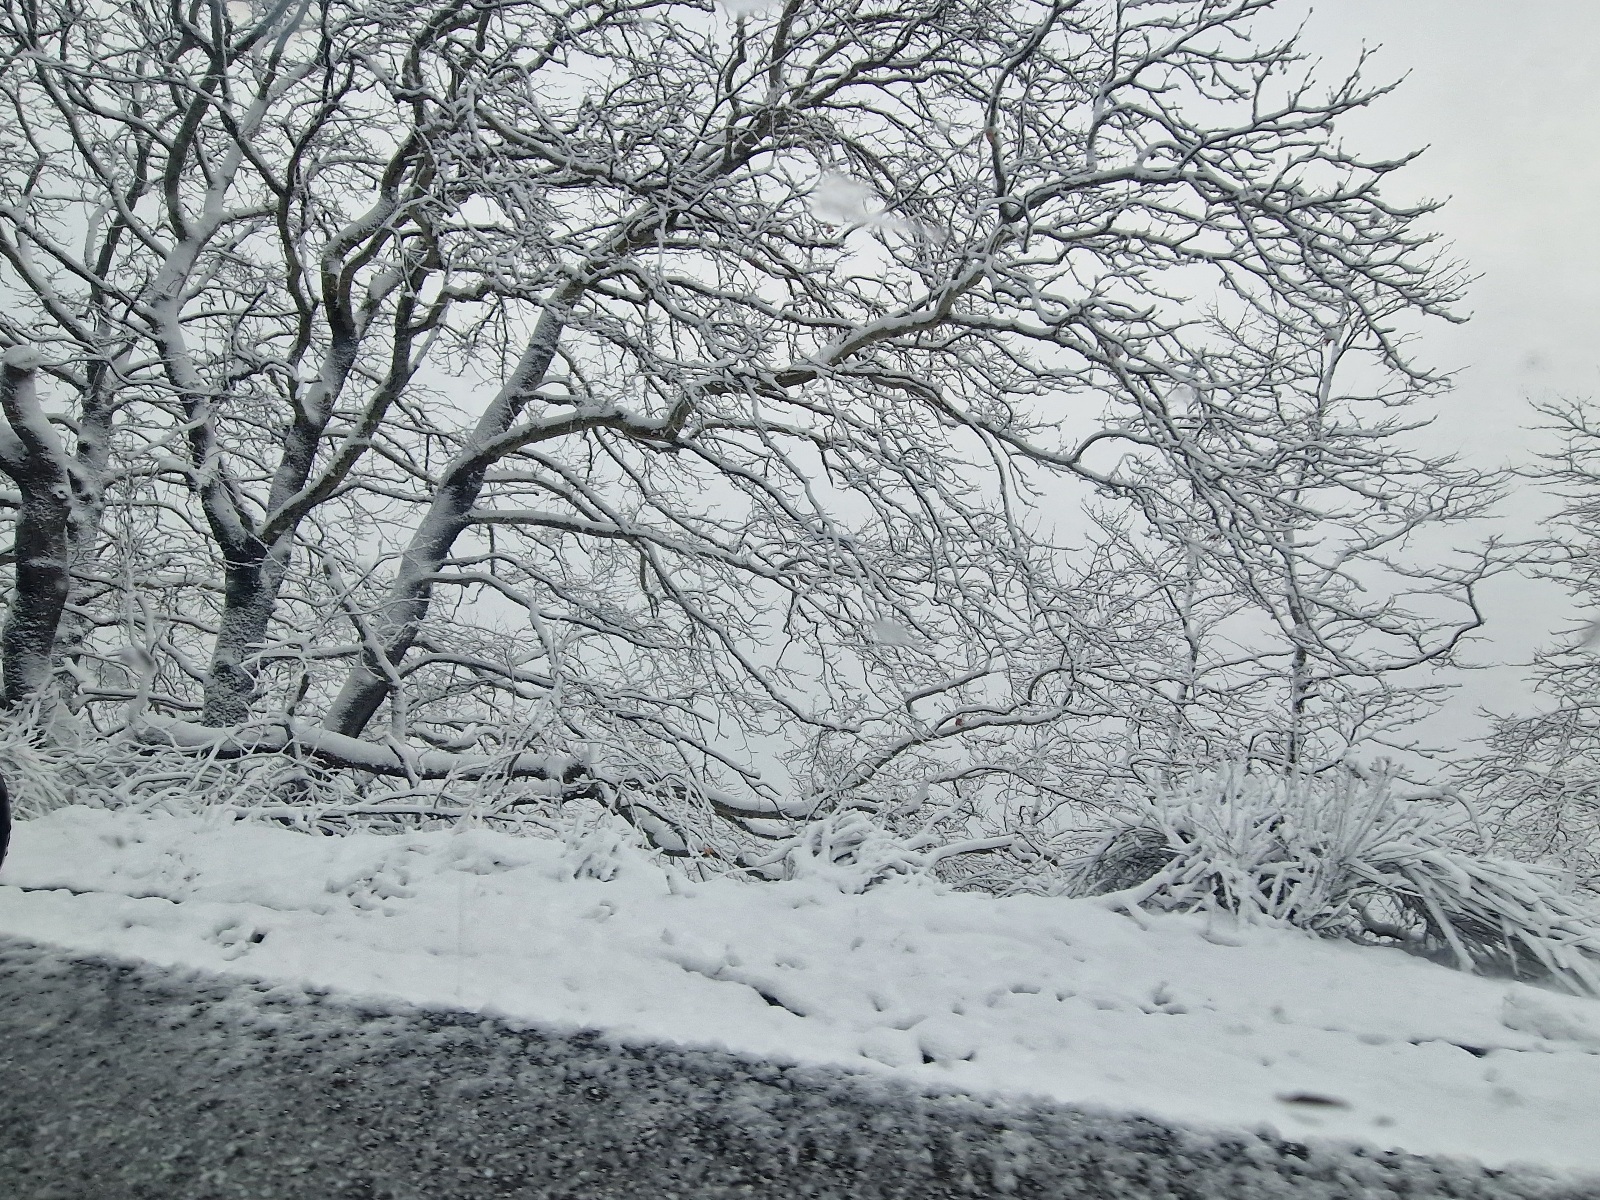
(251, 593)
(31, 454)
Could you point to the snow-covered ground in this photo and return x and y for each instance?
(1213, 1026)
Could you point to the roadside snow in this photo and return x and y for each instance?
(1214, 1027)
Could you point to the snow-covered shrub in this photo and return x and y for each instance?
(851, 851)
(599, 844)
(1343, 856)
(31, 765)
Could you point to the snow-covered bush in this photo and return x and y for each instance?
(851, 851)
(599, 844)
(1343, 856)
(30, 763)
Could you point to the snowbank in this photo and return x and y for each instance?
(1213, 1027)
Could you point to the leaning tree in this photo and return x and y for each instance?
(688, 407)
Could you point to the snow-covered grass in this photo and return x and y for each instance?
(1187, 1016)
(1344, 855)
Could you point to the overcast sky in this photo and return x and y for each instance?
(1505, 94)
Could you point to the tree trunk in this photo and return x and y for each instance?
(252, 574)
(252, 582)
(33, 457)
(87, 476)
(406, 606)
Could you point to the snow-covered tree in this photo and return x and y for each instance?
(691, 407)
(1538, 773)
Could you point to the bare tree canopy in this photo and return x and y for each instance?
(697, 407)
(1538, 772)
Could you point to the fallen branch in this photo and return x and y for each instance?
(576, 780)
(354, 754)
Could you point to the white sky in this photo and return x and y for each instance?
(1506, 96)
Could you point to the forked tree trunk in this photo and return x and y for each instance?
(252, 584)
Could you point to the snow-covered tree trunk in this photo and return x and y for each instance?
(448, 514)
(256, 551)
(32, 455)
(250, 593)
(95, 423)
(58, 519)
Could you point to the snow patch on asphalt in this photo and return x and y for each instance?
(1212, 1026)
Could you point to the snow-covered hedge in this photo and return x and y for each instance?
(1344, 856)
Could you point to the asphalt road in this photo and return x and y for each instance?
(119, 1081)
